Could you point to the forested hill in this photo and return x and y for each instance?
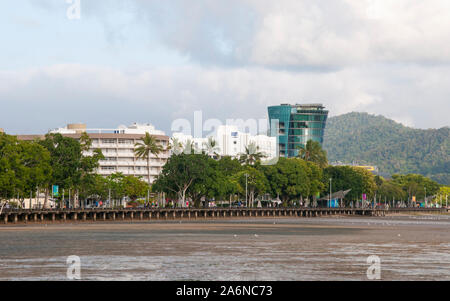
(394, 148)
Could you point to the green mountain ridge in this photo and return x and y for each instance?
(391, 146)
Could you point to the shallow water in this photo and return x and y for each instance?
(410, 248)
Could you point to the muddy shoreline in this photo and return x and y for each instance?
(411, 247)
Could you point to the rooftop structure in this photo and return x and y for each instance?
(135, 128)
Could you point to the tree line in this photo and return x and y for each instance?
(189, 176)
(31, 168)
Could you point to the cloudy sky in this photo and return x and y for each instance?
(155, 61)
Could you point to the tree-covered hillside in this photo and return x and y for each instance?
(394, 148)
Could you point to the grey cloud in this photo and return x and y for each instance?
(296, 34)
(352, 55)
(104, 97)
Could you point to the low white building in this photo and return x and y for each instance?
(231, 142)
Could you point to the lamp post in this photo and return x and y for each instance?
(426, 203)
(329, 198)
(246, 180)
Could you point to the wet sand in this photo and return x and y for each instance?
(410, 248)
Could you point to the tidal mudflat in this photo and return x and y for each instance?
(409, 247)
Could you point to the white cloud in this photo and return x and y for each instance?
(303, 33)
(381, 56)
(107, 97)
(289, 34)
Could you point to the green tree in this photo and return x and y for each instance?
(179, 173)
(88, 165)
(254, 180)
(189, 148)
(289, 179)
(211, 148)
(315, 179)
(390, 191)
(416, 185)
(71, 165)
(145, 148)
(37, 170)
(134, 187)
(359, 180)
(12, 171)
(116, 186)
(313, 152)
(24, 166)
(65, 158)
(443, 194)
(209, 185)
(252, 155)
(228, 167)
(176, 146)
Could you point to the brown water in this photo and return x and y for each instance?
(410, 248)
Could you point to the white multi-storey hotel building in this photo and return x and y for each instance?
(231, 142)
(117, 145)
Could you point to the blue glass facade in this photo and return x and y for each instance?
(297, 124)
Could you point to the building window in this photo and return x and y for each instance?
(109, 141)
(125, 141)
(108, 168)
(109, 159)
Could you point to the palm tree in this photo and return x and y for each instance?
(189, 147)
(313, 152)
(211, 147)
(176, 146)
(145, 148)
(251, 154)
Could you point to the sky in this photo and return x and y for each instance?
(125, 61)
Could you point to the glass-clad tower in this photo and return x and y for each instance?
(296, 125)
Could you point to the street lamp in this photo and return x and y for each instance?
(329, 198)
(426, 203)
(246, 180)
